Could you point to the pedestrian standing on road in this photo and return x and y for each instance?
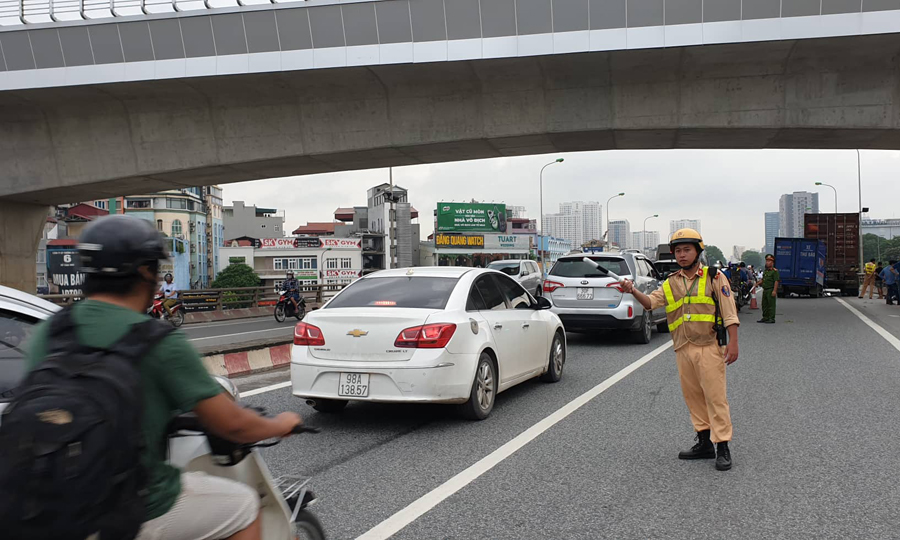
(770, 281)
(890, 275)
(869, 280)
(693, 297)
(879, 281)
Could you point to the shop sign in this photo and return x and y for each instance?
(308, 242)
(340, 274)
(464, 217)
(469, 241)
(305, 274)
(342, 243)
(277, 243)
(507, 242)
(64, 267)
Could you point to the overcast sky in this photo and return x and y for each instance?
(728, 190)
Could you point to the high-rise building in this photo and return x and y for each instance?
(791, 209)
(620, 233)
(389, 212)
(215, 228)
(577, 221)
(773, 225)
(676, 224)
(646, 241)
(515, 212)
(737, 252)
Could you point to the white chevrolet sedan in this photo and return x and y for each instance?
(426, 335)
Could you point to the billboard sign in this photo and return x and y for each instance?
(501, 242)
(340, 274)
(468, 241)
(64, 269)
(471, 217)
(342, 243)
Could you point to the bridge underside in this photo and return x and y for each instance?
(78, 143)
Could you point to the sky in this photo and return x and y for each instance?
(728, 190)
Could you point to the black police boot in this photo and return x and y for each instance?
(723, 457)
(704, 448)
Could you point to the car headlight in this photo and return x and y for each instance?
(229, 387)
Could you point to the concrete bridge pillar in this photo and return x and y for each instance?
(21, 228)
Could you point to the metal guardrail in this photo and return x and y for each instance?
(43, 11)
(224, 299)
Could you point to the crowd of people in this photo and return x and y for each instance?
(883, 279)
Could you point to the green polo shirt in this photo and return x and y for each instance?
(769, 278)
(172, 377)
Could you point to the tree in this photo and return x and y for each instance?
(880, 249)
(715, 255)
(752, 258)
(236, 275)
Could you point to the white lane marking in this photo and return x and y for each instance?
(265, 389)
(240, 334)
(889, 337)
(419, 507)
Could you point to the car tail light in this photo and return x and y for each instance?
(308, 335)
(615, 285)
(430, 336)
(550, 286)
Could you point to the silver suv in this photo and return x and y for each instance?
(587, 300)
(527, 273)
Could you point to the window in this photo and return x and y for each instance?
(493, 298)
(475, 301)
(137, 203)
(177, 204)
(331, 264)
(345, 263)
(514, 293)
(41, 256)
(14, 332)
(510, 268)
(401, 292)
(579, 268)
(176, 228)
(276, 228)
(159, 225)
(309, 263)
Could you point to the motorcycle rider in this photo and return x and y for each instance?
(120, 256)
(170, 293)
(292, 287)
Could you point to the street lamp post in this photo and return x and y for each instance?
(835, 194)
(541, 234)
(608, 239)
(644, 242)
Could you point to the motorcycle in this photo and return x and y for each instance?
(284, 502)
(742, 295)
(157, 311)
(285, 308)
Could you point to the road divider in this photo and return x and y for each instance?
(248, 360)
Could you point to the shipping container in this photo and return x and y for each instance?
(840, 232)
(801, 264)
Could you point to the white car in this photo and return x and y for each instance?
(19, 313)
(426, 335)
(527, 273)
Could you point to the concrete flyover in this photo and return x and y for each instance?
(82, 142)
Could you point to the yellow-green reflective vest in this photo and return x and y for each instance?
(701, 308)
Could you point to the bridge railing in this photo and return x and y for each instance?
(43, 11)
(234, 298)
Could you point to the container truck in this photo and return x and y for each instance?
(801, 264)
(840, 232)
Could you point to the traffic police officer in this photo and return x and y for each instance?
(690, 296)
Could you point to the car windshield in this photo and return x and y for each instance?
(14, 332)
(401, 292)
(508, 268)
(577, 268)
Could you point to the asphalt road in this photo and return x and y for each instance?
(814, 401)
(238, 332)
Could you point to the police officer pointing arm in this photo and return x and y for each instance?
(692, 296)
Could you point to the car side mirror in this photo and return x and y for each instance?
(543, 303)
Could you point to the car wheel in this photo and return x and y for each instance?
(328, 405)
(643, 334)
(484, 390)
(557, 359)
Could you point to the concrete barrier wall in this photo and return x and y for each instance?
(231, 364)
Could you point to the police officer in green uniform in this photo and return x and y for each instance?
(770, 280)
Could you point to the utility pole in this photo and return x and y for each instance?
(393, 263)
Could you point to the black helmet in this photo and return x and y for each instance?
(118, 245)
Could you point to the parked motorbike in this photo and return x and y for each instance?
(157, 311)
(284, 502)
(285, 308)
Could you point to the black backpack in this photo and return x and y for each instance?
(71, 440)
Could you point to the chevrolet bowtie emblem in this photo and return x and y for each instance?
(357, 333)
